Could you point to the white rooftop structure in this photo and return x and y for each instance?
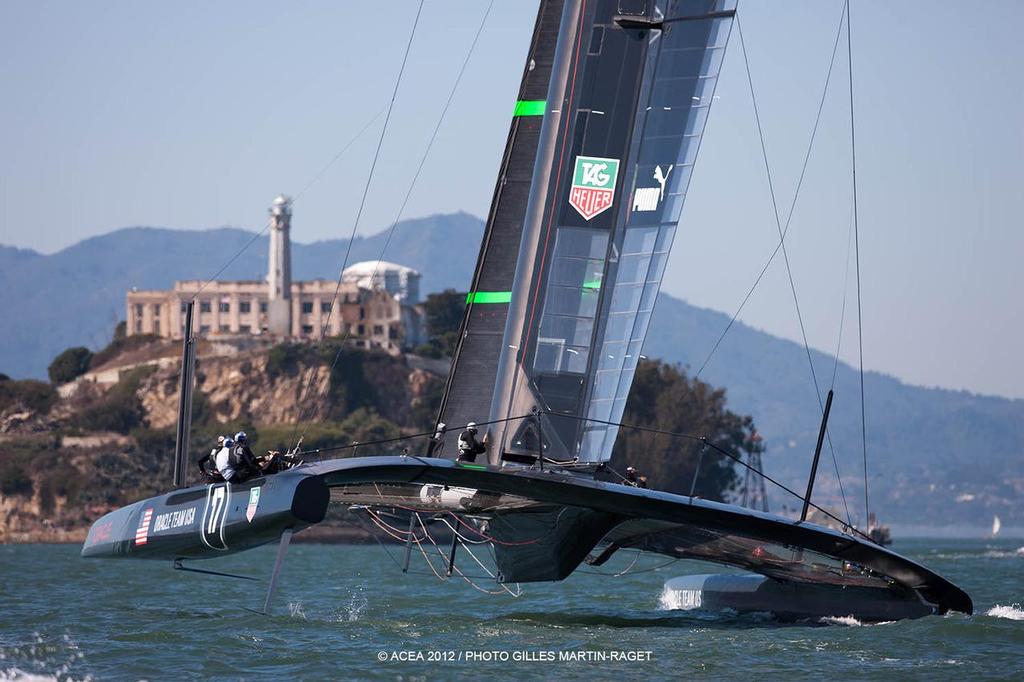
(398, 280)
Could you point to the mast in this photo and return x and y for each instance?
(188, 366)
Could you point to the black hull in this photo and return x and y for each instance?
(542, 525)
(789, 601)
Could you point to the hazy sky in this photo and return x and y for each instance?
(195, 114)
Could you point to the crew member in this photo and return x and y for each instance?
(208, 463)
(469, 446)
(634, 478)
(435, 441)
(244, 461)
(224, 464)
(274, 462)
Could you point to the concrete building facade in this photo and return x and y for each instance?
(376, 305)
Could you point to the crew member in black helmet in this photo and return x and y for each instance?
(469, 446)
(243, 459)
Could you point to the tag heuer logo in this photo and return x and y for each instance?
(593, 185)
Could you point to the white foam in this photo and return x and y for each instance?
(1012, 612)
(19, 675)
(295, 610)
(849, 621)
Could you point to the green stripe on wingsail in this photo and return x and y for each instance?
(489, 297)
(530, 107)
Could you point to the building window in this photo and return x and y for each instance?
(360, 330)
(362, 313)
(378, 330)
(156, 308)
(245, 329)
(138, 326)
(138, 310)
(263, 306)
(245, 307)
(393, 332)
(325, 308)
(204, 329)
(156, 326)
(184, 307)
(307, 307)
(307, 329)
(224, 329)
(204, 306)
(225, 307)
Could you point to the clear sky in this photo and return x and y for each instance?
(195, 114)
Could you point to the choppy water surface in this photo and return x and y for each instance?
(341, 606)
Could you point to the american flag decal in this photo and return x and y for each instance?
(142, 533)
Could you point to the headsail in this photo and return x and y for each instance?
(631, 86)
(476, 358)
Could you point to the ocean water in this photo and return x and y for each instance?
(342, 608)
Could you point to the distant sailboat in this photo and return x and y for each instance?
(996, 525)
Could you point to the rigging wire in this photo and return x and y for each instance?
(717, 448)
(674, 434)
(270, 222)
(362, 205)
(856, 240)
(401, 210)
(792, 207)
(785, 256)
(842, 312)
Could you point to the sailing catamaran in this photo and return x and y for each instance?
(602, 144)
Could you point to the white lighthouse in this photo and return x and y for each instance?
(279, 270)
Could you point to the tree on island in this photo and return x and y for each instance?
(663, 397)
(444, 312)
(69, 365)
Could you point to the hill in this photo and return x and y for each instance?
(935, 457)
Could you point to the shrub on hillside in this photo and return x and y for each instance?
(121, 344)
(119, 409)
(361, 426)
(284, 358)
(37, 396)
(69, 365)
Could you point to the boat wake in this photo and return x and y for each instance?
(19, 675)
(989, 554)
(848, 621)
(1012, 612)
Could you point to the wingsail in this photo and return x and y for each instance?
(631, 88)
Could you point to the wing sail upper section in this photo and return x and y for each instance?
(641, 82)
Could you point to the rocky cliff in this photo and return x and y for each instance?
(71, 453)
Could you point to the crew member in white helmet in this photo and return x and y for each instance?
(224, 465)
(469, 446)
